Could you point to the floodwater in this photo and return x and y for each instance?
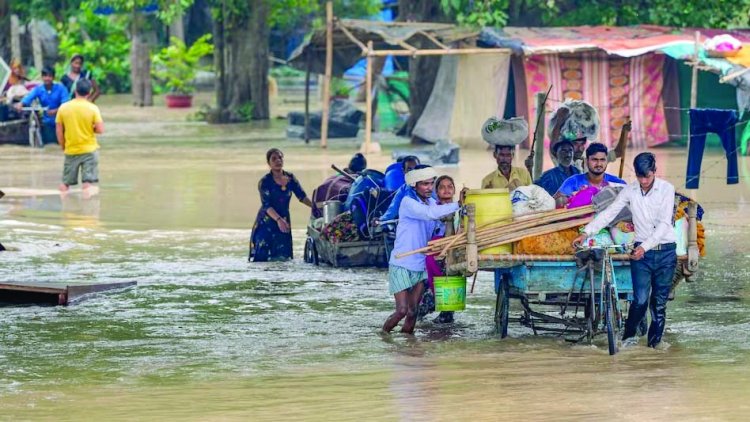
(208, 336)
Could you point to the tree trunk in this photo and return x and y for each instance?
(5, 29)
(241, 58)
(422, 70)
(140, 64)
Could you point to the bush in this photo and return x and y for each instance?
(104, 43)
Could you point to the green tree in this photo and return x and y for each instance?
(241, 49)
(142, 37)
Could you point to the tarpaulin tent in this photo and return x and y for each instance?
(619, 70)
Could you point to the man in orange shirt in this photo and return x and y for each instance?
(77, 123)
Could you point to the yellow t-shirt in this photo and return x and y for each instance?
(78, 117)
(496, 180)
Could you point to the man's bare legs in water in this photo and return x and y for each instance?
(407, 304)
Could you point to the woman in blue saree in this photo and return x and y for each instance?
(271, 238)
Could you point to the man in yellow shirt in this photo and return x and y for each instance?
(77, 123)
(507, 176)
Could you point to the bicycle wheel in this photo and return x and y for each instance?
(592, 317)
(611, 320)
(502, 304)
(35, 133)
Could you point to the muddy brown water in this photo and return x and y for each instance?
(208, 336)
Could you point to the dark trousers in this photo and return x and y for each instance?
(48, 134)
(652, 279)
(703, 122)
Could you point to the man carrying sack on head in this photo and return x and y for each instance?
(418, 213)
(504, 135)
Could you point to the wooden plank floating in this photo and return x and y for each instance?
(54, 293)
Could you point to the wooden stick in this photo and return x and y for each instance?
(351, 36)
(327, 78)
(551, 228)
(342, 172)
(434, 40)
(368, 101)
(622, 145)
(440, 52)
(432, 249)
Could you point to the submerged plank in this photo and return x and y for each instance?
(54, 293)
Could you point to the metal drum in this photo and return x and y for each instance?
(330, 210)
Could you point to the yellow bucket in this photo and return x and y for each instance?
(491, 205)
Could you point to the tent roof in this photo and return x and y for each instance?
(627, 41)
(384, 35)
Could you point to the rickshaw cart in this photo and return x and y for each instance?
(568, 283)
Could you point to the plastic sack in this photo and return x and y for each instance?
(557, 243)
(583, 197)
(507, 132)
(621, 237)
(603, 238)
(532, 198)
(605, 198)
(574, 119)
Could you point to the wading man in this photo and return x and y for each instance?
(651, 201)
(78, 122)
(417, 224)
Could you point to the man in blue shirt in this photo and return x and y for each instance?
(552, 179)
(50, 95)
(596, 163)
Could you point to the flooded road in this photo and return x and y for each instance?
(207, 336)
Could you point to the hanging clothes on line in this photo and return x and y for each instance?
(703, 122)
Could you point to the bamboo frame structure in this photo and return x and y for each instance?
(370, 52)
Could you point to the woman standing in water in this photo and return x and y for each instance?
(77, 73)
(271, 238)
(446, 190)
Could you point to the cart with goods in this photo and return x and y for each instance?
(575, 294)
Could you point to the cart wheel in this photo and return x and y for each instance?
(610, 315)
(310, 254)
(502, 304)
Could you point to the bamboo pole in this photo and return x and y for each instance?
(471, 241)
(307, 97)
(368, 101)
(539, 136)
(694, 95)
(538, 258)
(622, 145)
(36, 44)
(327, 78)
(439, 52)
(693, 251)
(435, 247)
(550, 228)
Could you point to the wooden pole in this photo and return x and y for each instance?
(369, 146)
(694, 94)
(328, 71)
(439, 52)
(307, 98)
(622, 145)
(539, 137)
(693, 251)
(15, 38)
(472, 262)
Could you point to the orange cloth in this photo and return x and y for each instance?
(557, 243)
(742, 58)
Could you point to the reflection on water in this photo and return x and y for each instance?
(206, 335)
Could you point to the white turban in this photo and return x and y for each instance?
(420, 175)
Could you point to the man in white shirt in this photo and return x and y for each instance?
(651, 201)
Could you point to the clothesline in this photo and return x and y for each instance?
(549, 111)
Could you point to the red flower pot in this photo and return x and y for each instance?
(179, 100)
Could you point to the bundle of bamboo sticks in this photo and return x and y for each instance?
(510, 229)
